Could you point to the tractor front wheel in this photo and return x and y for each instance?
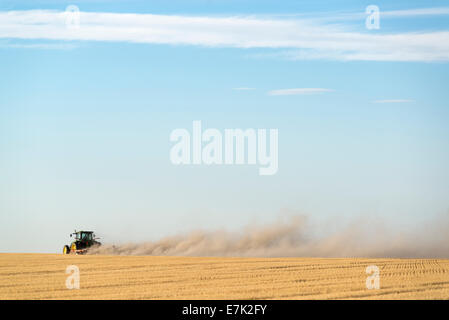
(66, 249)
(73, 248)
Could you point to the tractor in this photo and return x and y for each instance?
(83, 241)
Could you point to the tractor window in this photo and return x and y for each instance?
(86, 236)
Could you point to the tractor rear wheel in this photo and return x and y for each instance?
(66, 249)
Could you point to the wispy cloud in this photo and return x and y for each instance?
(296, 91)
(41, 45)
(311, 39)
(393, 101)
(407, 13)
(361, 14)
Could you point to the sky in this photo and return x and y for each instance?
(86, 113)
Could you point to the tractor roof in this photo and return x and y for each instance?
(84, 231)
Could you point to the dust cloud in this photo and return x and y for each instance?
(295, 237)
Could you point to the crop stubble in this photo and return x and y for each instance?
(42, 276)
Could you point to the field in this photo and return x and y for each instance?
(43, 276)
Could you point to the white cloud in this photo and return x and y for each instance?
(296, 91)
(393, 101)
(408, 13)
(42, 45)
(312, 39)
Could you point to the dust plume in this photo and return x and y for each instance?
(295, 237)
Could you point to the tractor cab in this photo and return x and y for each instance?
(83, 235)
(83, 240)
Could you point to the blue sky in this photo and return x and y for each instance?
(86, 114)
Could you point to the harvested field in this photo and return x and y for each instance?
(42, 276)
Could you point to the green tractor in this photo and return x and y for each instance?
(83, 241)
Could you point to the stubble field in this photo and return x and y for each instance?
(43, 276)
